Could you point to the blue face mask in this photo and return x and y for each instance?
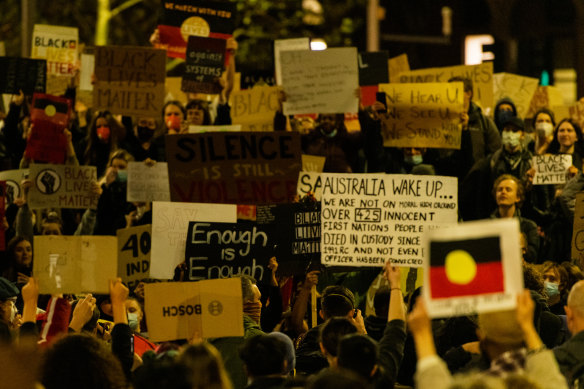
(552, 289)
(133, 321)
(413, 159)
(122, 176)
(504, 116)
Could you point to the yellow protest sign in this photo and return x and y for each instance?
(397, 65)
(545, 97)
(520, 89)
(312, 163)
(423, 115)
(58, 45)
(254, 108)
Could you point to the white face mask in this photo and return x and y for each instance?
(510, 138)
(544, 128)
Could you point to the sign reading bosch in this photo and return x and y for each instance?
(181, 310)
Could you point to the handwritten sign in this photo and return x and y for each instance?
(551, 169)
(397, 65)
(182, 18)
(219, 128)
(13, 178)
(423, 115)
(373, 68)
(255, 77)
(148, 183)
(481, 76)
(520, 89)
(255, 108)
(312, 163)
(58, 45)
(170, 222)
(75, 264)
(28, 75)
(320, 81)
(287, 45)
(129, 80)
(62, 186)
(578, 232)
(244, 167)
(205, 60)
(309, 182)
(368, 219)
(181, 310)
(545, 97)
(472, 268)
(134, 246)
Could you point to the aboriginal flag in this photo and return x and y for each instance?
(466, 267)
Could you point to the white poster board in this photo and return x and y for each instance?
(287, 45)
(309, 182)
(193, 129)
(551, 168)
(148, 183)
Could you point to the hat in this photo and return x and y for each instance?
(7, 289)
(501, 327)
(290, 353)
(515, 122)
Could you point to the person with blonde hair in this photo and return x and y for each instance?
(205, 363)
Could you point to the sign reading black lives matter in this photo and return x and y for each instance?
(368, 219)
(224, 250)
(205, 60)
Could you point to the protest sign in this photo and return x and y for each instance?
(58, 45)
(129, 80)
(181, 19)
(253, 78)
(472, 268)
(519, 89)
(481, 76)
(13, 179)
(397, 65)
(170, 222)
(312, 163)
(368, 219)
(578, 231)
(225, 250)
(47, 142)
(148, 183)
(373, 68)
(545, 97)
(219, 128)
(62, 186)
(309, 182)
(134, 245)
(577, 112)
(255, 108)
(320, 81)
(281, 45)
(22, 74)
(204, 65)
(181, 310)
(2, 214)
(551, 168)
(87, 69)
(75, 264)
(243, 167)
(423, 115)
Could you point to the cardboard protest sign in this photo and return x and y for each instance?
(225, 250)
(253, 78)
(368, 219)
(520, 89)
(172, 87)
(578, 232)
(50, 117)
(545, 97)
(148, 183)
(373, 68)
(577, 112)
(170, 222)
(397, 65)
(481, 76)
(62, 186)
(551, 168)
(255, 108)
(423, 115)
(309, 182)
(58, 45)
(75, 264)
(312, 163)
(205, 60)
(472, 268)
(129, 80)
(243, 167)
(219, 128)
(182, 18)
(13, 179)
(134, 246)
(287, 45)
(320, 81)
(2, 214)
(179, 310)
(28, 75)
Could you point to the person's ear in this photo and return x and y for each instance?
(321, 314)
(284, 366)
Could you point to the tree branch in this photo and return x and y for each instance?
(124, 6)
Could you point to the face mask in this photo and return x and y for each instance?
(144, 133)
(122, 176)
(552, 289)
(413, 159)
(544, 128)
(504, 116)
(103, 133)
(133, 321)
(253, 310)
(510, 138)
(173, 122)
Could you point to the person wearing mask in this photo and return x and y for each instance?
(504, 110)
(543, 123)
(138, 141)
(555, 278)
(102, 139)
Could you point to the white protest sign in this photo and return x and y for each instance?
(148, 183)
(170, 223)
(309, 182)
(13, 179)
(62, 186)
(58, 45)
(134, 245)
(472, 268)
(221, 128)
(287, 45)
(320, 81)
(551, 168)
(75, 264)
(368, 219)
(87, 69)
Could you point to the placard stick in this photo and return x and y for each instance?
(313, 303)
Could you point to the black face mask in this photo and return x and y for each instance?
(145, 133)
